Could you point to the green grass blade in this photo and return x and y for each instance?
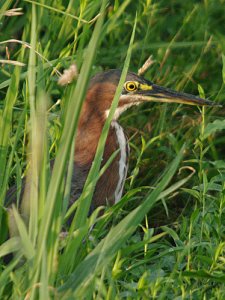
(89, 186)
(4, 7)
(35, 164)
(86, 197)
(10, 246)
(27, 247)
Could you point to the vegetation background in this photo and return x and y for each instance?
(165, 239)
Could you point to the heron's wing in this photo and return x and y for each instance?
(78, 180)
(13, 191)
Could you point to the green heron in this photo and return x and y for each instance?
(136, 90)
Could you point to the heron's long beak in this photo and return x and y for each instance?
(153, 92)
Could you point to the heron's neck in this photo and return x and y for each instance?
(88, 134)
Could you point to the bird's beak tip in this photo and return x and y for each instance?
(214, 104)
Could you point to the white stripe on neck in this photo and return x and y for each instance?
(120, 110)
(123, 160)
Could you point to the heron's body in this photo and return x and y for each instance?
(94, 112)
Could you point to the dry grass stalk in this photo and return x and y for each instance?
(68, 75)
(146, 65)
(12, 62)
(14, 12)
(27, 45)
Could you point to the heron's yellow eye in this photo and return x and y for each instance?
(131, 86)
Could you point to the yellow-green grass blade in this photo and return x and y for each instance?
(4, 6)
(27, 248)
(33, 172)
(11, 245)
(91, 180)
(18, 134)
(5, 277)
(6, 120)
(5, 131)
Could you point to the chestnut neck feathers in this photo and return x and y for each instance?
(93, 115)
(90, 125)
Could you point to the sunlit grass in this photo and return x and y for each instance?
(165, 239)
